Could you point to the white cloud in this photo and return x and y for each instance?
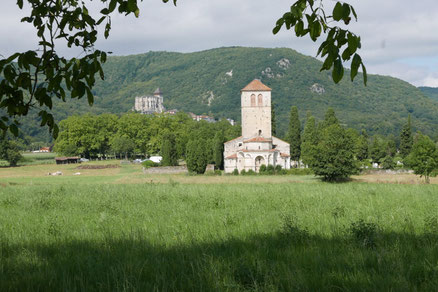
(395, 33)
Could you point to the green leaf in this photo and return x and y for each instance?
(354, 12)
(105, 11)
(107, 30)
(12, 57)
(353, 42)
(132, 5)
(328, 62)
(299, 28)
(364, 72)
(14, 129)
(90, 97)
(355, 66)
(345, 11)
(338, 70)
(315, 30)
(20, 4)
(346, 54)
(103, 57)
(276, 29)
(55, 131)
(338, 11)
(112, 6)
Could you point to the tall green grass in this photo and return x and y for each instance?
(177, 237)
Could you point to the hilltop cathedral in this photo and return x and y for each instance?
(150, 104)
(256, 146)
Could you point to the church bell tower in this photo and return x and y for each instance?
(256, 110)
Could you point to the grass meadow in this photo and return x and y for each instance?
(120, 230)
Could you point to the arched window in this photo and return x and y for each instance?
(253, 101)
(260, 100)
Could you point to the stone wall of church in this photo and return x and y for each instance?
(281, 145)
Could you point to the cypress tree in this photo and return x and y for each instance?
(310, 140)
(406, 139)
(330, 118)
(201, 156)
(168, 150)
(273, 121)
(218, 151)
(191, 149)
(196, 156)
(293, 136)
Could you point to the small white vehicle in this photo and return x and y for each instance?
(156, 159)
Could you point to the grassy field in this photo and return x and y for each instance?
(117, 229)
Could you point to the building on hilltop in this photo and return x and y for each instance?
(150, 104)
(256, 146)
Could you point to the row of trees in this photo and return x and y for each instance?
(134, 134)
(336, 152)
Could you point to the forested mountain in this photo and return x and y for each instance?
(210, 82)
(431, 92)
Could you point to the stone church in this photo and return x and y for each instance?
(256, 146)
(150, 104)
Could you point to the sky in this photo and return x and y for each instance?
(399, 37)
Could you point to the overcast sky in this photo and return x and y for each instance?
(399, 37)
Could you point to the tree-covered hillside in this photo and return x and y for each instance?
(210, 82)
(431, 92)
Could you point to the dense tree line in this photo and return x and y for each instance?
(134, 134)
(336, 152)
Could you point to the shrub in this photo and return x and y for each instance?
(262, 169)
(213, 172)
(243, 172)
(270, 169)
(235, 172)
(149, 163)
(251, 172)
(278, 168)
(293, 231)
(364, 233)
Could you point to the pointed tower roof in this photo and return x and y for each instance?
(158, 92)
(256, 85)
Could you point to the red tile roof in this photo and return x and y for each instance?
(256, 85)
(284, 155)
(261, 150)
(234, 139)
(258, 139)
(234, 156)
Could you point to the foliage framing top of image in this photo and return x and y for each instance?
(309, 17)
